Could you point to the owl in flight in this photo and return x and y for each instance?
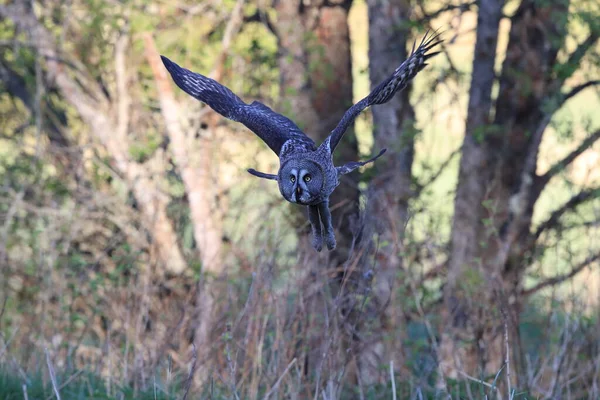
(306, 174)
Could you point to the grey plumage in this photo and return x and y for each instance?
(306, 174)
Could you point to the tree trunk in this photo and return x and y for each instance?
(496, 192)
(466, 283)
(195, 171)
(393, 128)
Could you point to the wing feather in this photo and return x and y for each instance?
(389, 87)
(273, 128)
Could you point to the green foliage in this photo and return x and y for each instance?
(84, 386)
(140, 151)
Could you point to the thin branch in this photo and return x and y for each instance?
(561, 278)
(577, 55)
(25, 395)
(8, 219)
(432, 273)
(261, 16)
(463, 7)
(123, 98)
(578, 199)
(579, 88)
(393, 380)
(39, 91)
(507, 358)
(574, 61)
(562, 164)
(52, 375)
(276, 385)
(69, 380)
(436, 175)
(479, 381)
(190, 378)
(231, 29)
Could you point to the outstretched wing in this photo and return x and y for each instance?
(273, 128)
(388, 88)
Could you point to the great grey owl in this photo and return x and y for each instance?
(306, 174)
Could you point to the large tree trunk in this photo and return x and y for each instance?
(497, 191)
(393, 128)
(462, 295)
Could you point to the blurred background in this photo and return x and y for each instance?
(139, 259)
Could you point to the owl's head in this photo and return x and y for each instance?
(301, 181)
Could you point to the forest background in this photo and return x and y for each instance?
(139, 259)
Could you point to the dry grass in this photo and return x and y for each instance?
(285, 329)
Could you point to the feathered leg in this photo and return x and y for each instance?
(315, 223)
(328, 233)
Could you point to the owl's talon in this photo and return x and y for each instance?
(330, 241)
(318, 243)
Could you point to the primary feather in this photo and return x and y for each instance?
(273, 128)
(389, 87)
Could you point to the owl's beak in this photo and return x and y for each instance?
(298, 192)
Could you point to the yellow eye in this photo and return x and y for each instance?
(292, 179)
(307, 178)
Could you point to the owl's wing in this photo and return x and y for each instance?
(389, 87)
(273, 128)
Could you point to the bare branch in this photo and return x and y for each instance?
(579, 88)
(562, 164)
(124, 101)
(190, 378)
(262, 17)
(437, 174)
(578, 199)
(276, 385)
(434, 272)
(561, 278)
(233, 25)
(52, 375)
(463, 7)
(65, 383)
(576, 57)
